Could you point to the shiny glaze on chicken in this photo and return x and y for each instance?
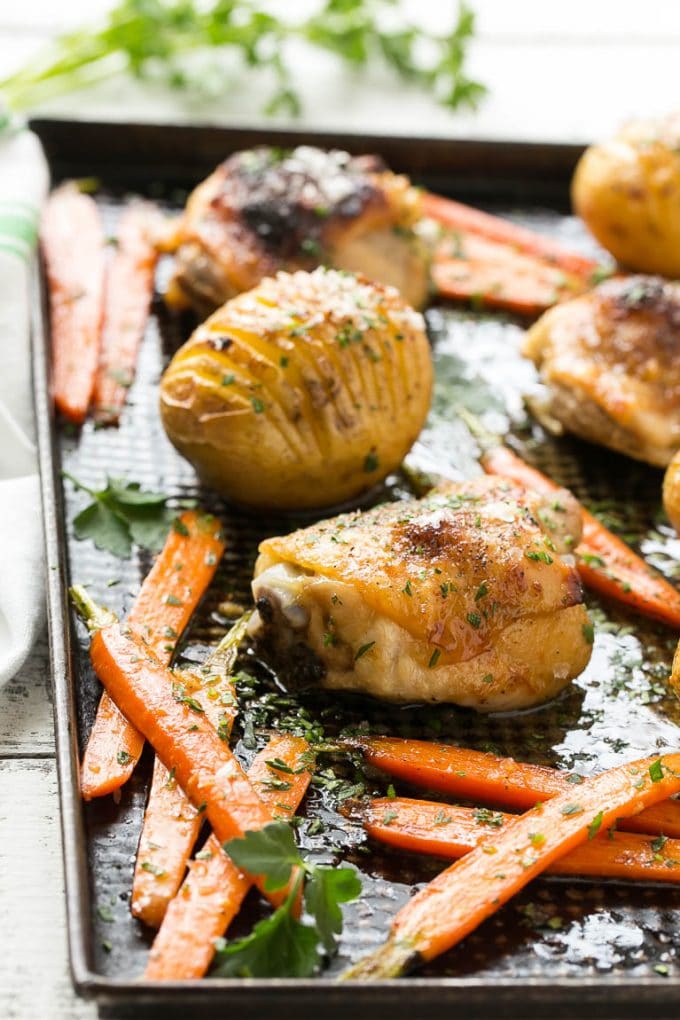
(611, 361)
(265, 209)
(465, 596)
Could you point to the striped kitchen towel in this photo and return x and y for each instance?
(23, 186)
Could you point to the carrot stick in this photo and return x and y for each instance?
(129, 289)
(472, 889)
(73, 246)
(171, 822)
(212, 893)
(168, 597)
(605, 563)
(470, 268)
(486, 778)
(174, 722)
(461, 217)
(422, 826)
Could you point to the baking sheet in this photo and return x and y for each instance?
(558, 943)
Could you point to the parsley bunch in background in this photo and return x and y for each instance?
(281, 945)
(159, 39)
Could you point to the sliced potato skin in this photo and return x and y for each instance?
(627, 191)
(304, 392)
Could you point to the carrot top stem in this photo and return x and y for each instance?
(93, 615)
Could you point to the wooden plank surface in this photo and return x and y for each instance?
(555, 72)
(34, 981)
(26, 710)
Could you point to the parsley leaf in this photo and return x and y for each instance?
(278, 946)
(326, 889)
(281, 946)
(122, 513)
(271, 851)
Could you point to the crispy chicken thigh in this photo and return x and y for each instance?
(264, 210)
(466, 596)
(611, 361)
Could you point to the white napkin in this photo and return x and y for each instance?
(23, 185)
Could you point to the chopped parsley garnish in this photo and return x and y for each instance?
(656, 771)
(541, 556)
(434, 658)
(594, 826)
(474, 619)
(257, 405)
(152, 869)
(588, 633)
(371, 462)
(485, 817)
(572, 809)
(123, 758)
(179, 694)
(363, 650)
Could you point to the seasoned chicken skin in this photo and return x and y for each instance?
(611, 360)
(264, 210)
(464, 596)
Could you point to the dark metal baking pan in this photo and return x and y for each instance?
(559, 948)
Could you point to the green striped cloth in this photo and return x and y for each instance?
(18, 227)
(23, 185)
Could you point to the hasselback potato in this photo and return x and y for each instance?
(303, 392)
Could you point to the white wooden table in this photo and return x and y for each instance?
(554, 72)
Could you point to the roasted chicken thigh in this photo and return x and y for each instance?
(611, 362)
(466, 596)
(265, 210)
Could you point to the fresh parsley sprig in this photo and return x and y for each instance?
(280, 945)
(160, 40)
(122, 513)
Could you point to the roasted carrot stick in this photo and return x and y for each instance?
(472, 889)
(129, 289)
(170, 593)
(464, 218)
(605, 563)
(174, 722)
(472, 268)
(171, 822)
(423, 826)
(73, 245)
(212, 893)
(486, 778)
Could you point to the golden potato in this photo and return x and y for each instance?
(303, 392)
(671, 492)
(627, 191)
(675, 673)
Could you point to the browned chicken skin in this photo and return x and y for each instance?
(611, 361)
(265, 210)
(465, 596)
